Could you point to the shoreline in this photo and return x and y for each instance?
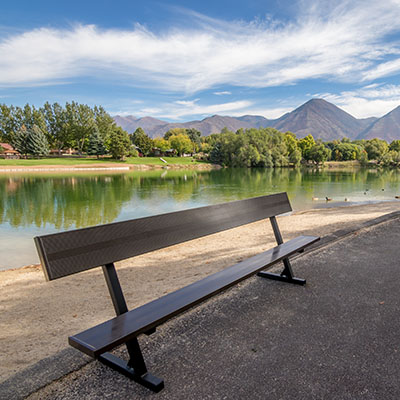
(38, 316)
(103, 167)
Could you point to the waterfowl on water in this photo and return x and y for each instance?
(328, 199)
(315, 198)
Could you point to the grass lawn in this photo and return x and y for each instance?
(76, 161)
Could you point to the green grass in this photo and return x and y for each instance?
(76, 161)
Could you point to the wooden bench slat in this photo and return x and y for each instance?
(116, 331)
(66, 253)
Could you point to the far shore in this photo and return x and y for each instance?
(103, 167)
(37, 316)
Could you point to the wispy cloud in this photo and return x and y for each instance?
(371, 100)
(181, 109)
(223, 93)
(347, 42)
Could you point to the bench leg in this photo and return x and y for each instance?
(285, 276)
(134, 369)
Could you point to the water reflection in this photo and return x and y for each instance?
(36, 204)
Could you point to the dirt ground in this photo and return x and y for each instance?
(36, 317)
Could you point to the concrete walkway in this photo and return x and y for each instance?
(336, 338)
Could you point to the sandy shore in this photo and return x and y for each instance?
(102, 167)
(36, 317)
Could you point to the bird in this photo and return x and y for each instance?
(397, 197)
(346, 199)
(315, 198)
(328, 198)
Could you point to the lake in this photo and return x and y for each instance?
(34, 204)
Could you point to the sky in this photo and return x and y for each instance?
(184, 60)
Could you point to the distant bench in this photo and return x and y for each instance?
(67, 253)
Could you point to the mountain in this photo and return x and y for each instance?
(317, 116)
(321, 119)
(386, 127)
(130, 123)
(156, 127)
(256, 121)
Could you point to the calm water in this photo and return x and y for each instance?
(36, 204)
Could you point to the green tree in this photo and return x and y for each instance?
(104, 122)
(96, 145)
(318, 153)
(19, 140)
(345, 151)
(181, 143)
(81, 123)
(376, 148)
(395, 145)
(161, 144)
(36, 142)
(119, 143)
(305, 145)
(58, 127)
(195, 137)
(174, 131)
(141, 140)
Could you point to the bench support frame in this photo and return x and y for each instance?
(287, 274)
(135, 368)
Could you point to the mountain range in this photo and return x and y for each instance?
(317, 117)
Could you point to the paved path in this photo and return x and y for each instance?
(336, 338)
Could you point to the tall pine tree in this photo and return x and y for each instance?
(36, 142)
(96, 145)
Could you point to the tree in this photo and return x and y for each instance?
(181, 143)
(318, 153)
(36, 142)
(305, 145)
(81, 123)
(195, 137)
(395, 145)
(104, 122)
(345, 151)
(96, 145)
(119, 143)
(58, 128)
(376, 148)
(161, 144)
(174, 131)
(141, 140)
(19, 140)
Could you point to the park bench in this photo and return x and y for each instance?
(70, 252)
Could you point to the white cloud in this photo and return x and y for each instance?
(180, 109)
(223, 93)
(372, 100)
(348, 42)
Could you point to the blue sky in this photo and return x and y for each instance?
(184, 60)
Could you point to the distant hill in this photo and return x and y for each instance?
(317, 116)
(156, 127)
(256, 121)
(386, 127)
(322, 119)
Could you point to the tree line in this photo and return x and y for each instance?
(34, 131)
(268, 147)
(91, 130)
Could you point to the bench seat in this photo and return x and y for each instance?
(107, 335)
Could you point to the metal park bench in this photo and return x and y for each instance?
(67, 253)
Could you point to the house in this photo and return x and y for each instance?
(8, 151)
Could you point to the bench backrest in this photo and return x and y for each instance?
(67, 253)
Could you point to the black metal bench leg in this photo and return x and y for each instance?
(135, 368)
(285, 276)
